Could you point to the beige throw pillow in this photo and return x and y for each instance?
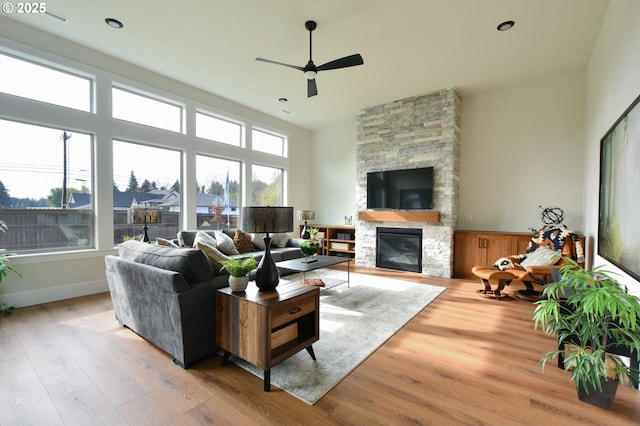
(280, 240)
(542, 256)
(215, 255)
(258, 240)
(166, 243)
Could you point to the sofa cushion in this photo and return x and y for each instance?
(193, 264)
(242, 241)
(280, 239)
(225, 243)
(205, 237)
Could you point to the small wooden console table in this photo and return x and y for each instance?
(267, 327)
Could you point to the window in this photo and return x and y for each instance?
(218, 129)
(268, 142)
(219, 192)
(44, 84)
(45, 188)
(145, 178)
(267, 185)
(146, 110)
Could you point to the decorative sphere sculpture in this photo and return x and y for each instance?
(552, 215)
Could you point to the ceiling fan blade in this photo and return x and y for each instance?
(347, 61)
(295, 67)
(312, 89)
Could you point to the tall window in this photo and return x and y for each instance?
(219, 192)
(267, 185)
(44, 84)
(45, 187)
(268, 142)
(138, 108)
(146, 188)
(218, 129)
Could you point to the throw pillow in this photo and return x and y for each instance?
(542, 256)
(215, 255)
(242, 241)
(280, 240)
(258, 241)
(203, 237)
(165, 242)
(225, 243)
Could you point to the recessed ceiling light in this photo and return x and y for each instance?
(114, 23)
(283, 100)
(506, 25)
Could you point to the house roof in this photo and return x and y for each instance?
(409, 47)
(157, 198)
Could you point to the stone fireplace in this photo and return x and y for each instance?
(419, 131)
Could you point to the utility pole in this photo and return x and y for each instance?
(65, 137)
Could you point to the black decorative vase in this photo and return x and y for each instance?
(267, 274)
(602, 399)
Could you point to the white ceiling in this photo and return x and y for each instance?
(410, 47)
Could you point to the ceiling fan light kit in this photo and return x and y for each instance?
(311, 70)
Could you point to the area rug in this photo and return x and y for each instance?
(354, 322)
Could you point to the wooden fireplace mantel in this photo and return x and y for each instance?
(399, 216)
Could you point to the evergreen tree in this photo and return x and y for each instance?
(176, 186)
(5, 199)
(146, 186)
(133, 183)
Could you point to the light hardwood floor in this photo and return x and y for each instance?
(462, 360)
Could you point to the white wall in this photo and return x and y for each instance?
(521, 148)
(334, 173)
(612, 84)
(63, 275)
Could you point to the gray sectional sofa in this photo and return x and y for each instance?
(167, 294)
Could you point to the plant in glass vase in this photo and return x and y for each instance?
(309, 248)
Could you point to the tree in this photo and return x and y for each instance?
(148, 186)
(5, 199)
(216, 188)
(133, 183)
(176, 186)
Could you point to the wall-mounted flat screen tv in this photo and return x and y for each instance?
(619, 227)
(408, 189)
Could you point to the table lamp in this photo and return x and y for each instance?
(306, 215)
(267, 220)
(146, 216)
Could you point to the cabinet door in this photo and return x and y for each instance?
(466, 253)
(519, 243)
(496, 246)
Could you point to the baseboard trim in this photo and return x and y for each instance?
(52, 294)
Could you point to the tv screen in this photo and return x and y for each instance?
(409, 189)
(619, 227)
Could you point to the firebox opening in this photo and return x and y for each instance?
(399, 248)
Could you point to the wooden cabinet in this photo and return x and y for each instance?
(338, 240)
(267, 327)
(472, 248)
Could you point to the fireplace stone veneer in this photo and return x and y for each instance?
(420, 131)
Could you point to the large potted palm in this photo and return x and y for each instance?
(593, 315)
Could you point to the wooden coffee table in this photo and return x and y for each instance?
(318, 262)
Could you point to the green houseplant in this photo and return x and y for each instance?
(238, 272)
(6, 266)
(591, 313)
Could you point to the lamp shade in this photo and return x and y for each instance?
(306, 215)
(267, 219)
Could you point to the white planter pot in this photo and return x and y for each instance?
(238, 284)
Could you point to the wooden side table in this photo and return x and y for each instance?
(267, 327)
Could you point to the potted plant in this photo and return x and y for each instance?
(238, 272)
(309, 248)
(6, 266)
(592, 314)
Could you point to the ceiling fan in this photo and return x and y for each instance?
(311, 70)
